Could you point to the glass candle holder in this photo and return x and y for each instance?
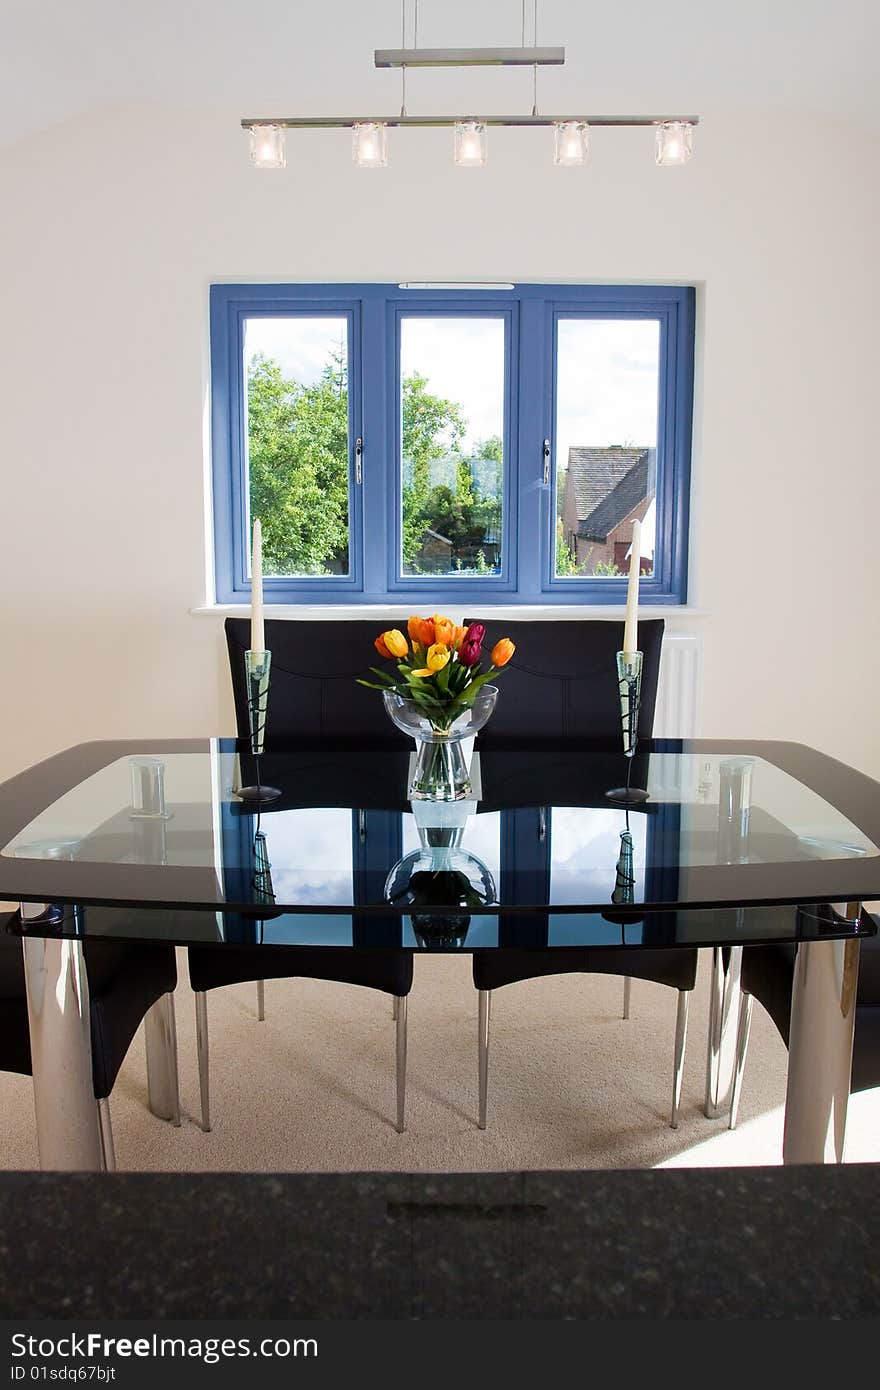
(257, 667)
(629, 685)
(148, 789)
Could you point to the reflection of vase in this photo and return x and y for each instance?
(440, 877)
(441, 771)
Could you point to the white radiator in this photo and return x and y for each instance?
(679, 693)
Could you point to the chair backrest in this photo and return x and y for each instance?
(562, 680)
(313, 690)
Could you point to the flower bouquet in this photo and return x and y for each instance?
(439, 694)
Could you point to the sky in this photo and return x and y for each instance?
(607, 370)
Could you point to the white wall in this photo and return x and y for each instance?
(114, 225)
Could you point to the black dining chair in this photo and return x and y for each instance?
(125, 981)
(562, 684)
(314, 695)
(767, 974)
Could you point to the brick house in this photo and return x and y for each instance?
(605, 491)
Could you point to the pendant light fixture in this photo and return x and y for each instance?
(571, 133)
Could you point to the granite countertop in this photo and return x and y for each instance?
(685, 1243)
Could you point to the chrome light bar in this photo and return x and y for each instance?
(423, 122)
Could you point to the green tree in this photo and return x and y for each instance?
(433, 429)
(298, 451)
(566, 563)
(298, 455)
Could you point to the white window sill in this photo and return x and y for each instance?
(334, 612)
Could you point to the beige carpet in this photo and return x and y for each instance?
(571, 1083)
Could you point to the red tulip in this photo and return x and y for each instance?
(471, 648)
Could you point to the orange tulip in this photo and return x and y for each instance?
(379, 644)
(421, 630)
(437, 658)
(444, 629)
(458, 637)
(502, 652)
(395, 642)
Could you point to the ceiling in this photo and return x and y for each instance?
(60, 59)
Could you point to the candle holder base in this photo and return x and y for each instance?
(256, 795)
(628, 796)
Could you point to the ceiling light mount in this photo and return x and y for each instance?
(468, 57)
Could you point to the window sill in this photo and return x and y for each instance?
(335, 612)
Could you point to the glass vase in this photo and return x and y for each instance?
(441, 771)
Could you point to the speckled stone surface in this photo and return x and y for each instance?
(743, 1243)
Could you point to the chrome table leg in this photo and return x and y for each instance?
(201, 999)
(742, 1046)
(627, 991)
(160, 1034)
(823, 1010)
(723, 1015)
(106, 1136)
(68, 1132)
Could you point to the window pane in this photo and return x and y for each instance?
(452, 454)
(607, 381)
(297, 442)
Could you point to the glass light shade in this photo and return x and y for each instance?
(471, 144)
(369, 145)
(571, 143)
(267, 146)
(675, 142)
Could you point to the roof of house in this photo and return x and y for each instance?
(608, 483)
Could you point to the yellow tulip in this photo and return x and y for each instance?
(437, 657)
(395, 642)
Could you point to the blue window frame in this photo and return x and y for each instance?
(587, 517)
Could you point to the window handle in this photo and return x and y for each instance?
(546, 454)
(358, 457)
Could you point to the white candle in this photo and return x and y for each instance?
(631, 626)
(258, 636)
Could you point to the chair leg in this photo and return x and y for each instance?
(627, 990)
(394, 1007)
(261, 1000)
(160, 1041)
(202, 1050)
(400, 1002)
(744, 1024)
(108, 1152)
(485, 1006)
(681, 1025)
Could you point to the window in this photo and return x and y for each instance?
(443, 446)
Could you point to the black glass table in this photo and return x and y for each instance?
(737, 843)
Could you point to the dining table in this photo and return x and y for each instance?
(736, 842)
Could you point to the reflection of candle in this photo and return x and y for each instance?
(631, 626)
(258, 636)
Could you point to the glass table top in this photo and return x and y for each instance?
(538, 851)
